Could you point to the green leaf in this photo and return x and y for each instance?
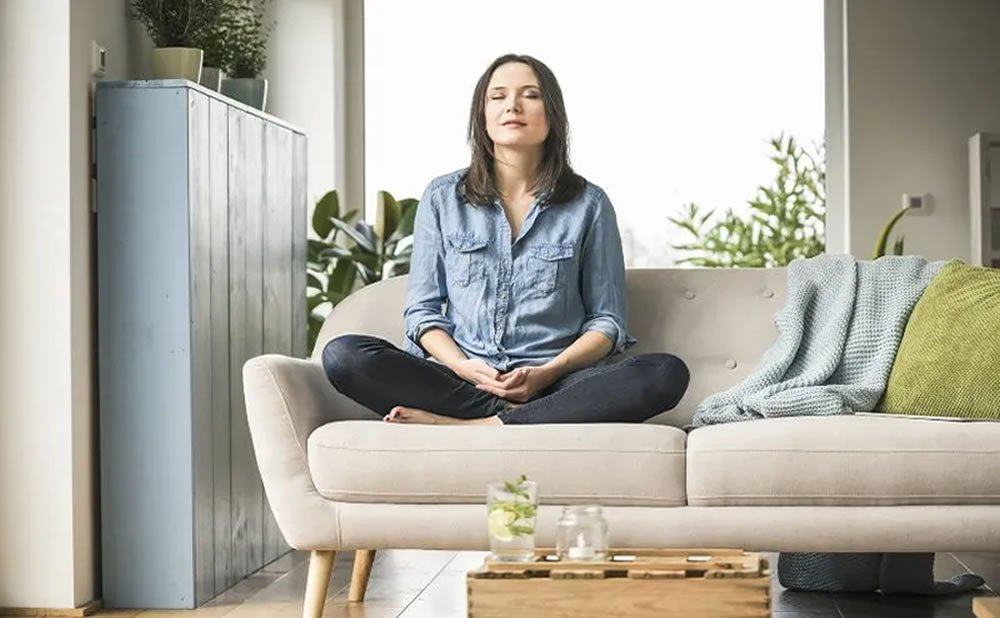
(884, 236)
(366, 272)
(327, 209)
(336, 252)
(350, 216)
(405, 227)
(361, 237)
(897, 248)
(315, 300)
(313, 250)
(343, 278)
(313, 282)
(387, 215)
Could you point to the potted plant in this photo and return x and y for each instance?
(214, 40)
(174, 26)
(248, 48)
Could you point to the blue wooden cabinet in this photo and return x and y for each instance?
(201, 265)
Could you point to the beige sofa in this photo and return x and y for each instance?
(338, 479)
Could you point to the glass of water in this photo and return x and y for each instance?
(511, 511)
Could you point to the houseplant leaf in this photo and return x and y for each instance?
(362, 237)
(884, 236)
(327, 209)
(387, 216)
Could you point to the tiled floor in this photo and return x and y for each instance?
(431, 584)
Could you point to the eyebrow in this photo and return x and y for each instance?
(522, 87)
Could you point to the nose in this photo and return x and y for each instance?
(513, 105)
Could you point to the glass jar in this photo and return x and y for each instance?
(582, 533)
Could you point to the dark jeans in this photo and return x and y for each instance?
(380, 376)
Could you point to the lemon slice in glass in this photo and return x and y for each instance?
(499, 523)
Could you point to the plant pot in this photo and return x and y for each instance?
(177, 63)
(253, 92)
(212, 77)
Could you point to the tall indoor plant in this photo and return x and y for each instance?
(247, 43)
(349, 253)
(175, 27)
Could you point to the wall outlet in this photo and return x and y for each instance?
(98, 60)
(918, 203)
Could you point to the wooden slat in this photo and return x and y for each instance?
(593, 598)
(246, 322)
(219, 174)
(300, 228)
(277, 278)
(200, 246)
(695, 563)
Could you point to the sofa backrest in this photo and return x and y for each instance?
(719, 321)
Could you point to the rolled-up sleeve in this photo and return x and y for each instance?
(603, 279)
(427, 289)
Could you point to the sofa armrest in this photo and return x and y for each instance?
(286, 399)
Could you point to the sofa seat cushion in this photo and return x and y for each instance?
(608, 464)
(848, 460)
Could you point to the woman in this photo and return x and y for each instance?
(517, 285)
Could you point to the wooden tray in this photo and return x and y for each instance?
(633, 582)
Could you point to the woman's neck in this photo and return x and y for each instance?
(514, 170)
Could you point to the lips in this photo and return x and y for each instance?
(513, 123)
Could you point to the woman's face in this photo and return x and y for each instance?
(515, 113)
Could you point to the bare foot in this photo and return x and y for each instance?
(416, 416)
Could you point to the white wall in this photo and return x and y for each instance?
(48, 475)
(922, 77)
(36, 383)
(301, 75)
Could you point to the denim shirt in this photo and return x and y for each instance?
(521, 302)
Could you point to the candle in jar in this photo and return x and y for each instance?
(581, 552)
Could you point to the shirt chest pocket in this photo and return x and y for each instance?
(466, 258)
(550, 267)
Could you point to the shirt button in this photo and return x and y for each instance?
(730, 364)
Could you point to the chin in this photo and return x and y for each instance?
(518, 143)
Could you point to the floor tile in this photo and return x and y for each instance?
(445, 596)
(985, 564)
(201, 612)
(900, 606)
(802, 602)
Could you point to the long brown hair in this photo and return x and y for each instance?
(555, 177)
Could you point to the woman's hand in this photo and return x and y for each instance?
(521, 384)
(476, 371)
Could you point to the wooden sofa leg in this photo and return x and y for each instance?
(363, 559)
(320, 567)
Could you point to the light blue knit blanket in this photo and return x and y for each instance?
(838, 334)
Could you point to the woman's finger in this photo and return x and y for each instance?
(498, 391)
(488, 381)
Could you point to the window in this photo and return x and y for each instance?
(668, 103)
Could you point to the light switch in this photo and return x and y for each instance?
(918, 203)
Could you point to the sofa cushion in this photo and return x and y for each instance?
(608, 464)
(947, 360)
(844, 461)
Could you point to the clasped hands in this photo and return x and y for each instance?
(518, 385)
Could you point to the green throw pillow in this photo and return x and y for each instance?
(948, 363)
